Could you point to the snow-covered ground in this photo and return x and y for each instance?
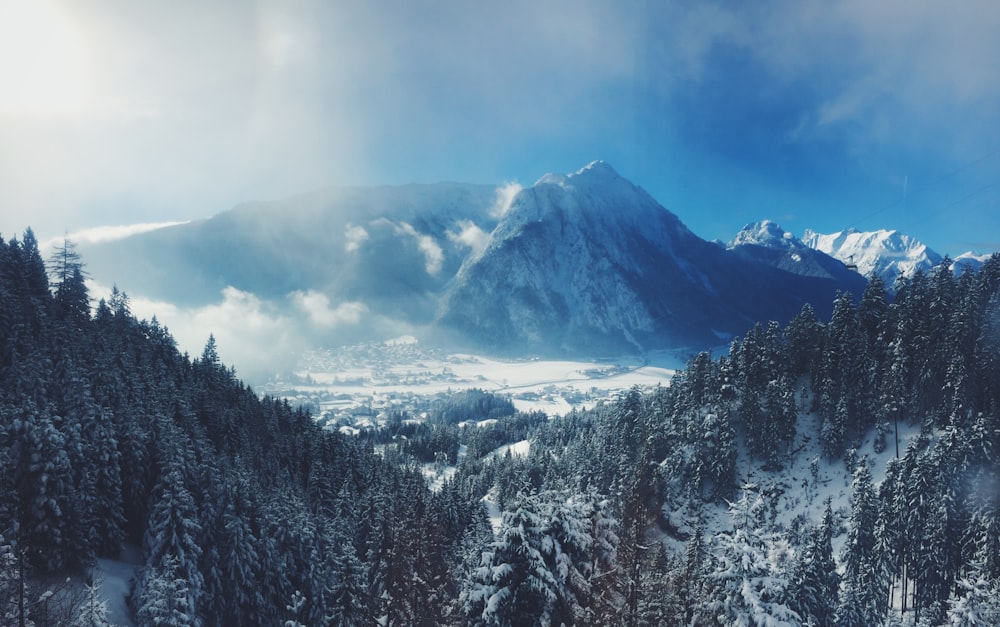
(355, 384)
(115, 577)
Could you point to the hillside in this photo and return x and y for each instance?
(390, 247)
(246, 512)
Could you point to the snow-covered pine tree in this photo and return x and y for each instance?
(94, 611)
(975, 603)
(863, 599)
(164, 596)
(750, 570)
(513, 585)
(347, 596)
(553, 562)
(171, 547)
(813, 590)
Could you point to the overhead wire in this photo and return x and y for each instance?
(908, 193)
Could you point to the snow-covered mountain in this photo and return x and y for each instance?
(583, 263)
(767, 242)
(589, 261)
(969, 261)
(887, 253)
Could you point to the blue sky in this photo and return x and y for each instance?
(817, 114)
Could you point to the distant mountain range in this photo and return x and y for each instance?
(886, 253)
(580, 263)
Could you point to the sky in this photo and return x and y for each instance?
(814, 113)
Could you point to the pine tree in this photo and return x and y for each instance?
(164, 597)
(347, 596)
(976, 602)
(552, 563)
(804, 337)
(72, 301)
(44, 505)
(513, 585)
(171, 547)
(813, 591)
(751, 569)
(295, 609)
(94, 611)
(863, 600)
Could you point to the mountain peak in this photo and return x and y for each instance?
(767, 242)
(594, 194)
(595, 173)
(765, 233)
(596, 168)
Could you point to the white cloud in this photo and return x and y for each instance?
(250, 333)
(433, 255)
(355, 236)
(316, 306)
(100, 234)
(504, 197)
(902, 64)
(469, 234)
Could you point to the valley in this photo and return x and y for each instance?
(357, 386)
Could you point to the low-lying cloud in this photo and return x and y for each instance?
(354, 236)
(467, 233)
(433, 255)
(257, 336)
(504, 197)
(320, 312)
(102, 234)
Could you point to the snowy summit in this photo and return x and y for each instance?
(887, 253)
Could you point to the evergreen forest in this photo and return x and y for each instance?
(663, 507)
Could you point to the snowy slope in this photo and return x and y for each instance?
(887, 253)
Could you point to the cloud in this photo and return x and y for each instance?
(260, 337)
(469, 234)
(230, 101)
(316, 306)
(433, 255)
(101, 234)
(251, 334)
(355, 236)
(504, 197)
(884, 65)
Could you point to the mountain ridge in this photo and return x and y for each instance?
(579, 262)
(885, 252)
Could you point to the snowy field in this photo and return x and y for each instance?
(366, 380)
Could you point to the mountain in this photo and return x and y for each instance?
(887, 253)
(391, 248)
(579, 263)
(140, 479)
(589, 261)
(767, 242)
(969, 261)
